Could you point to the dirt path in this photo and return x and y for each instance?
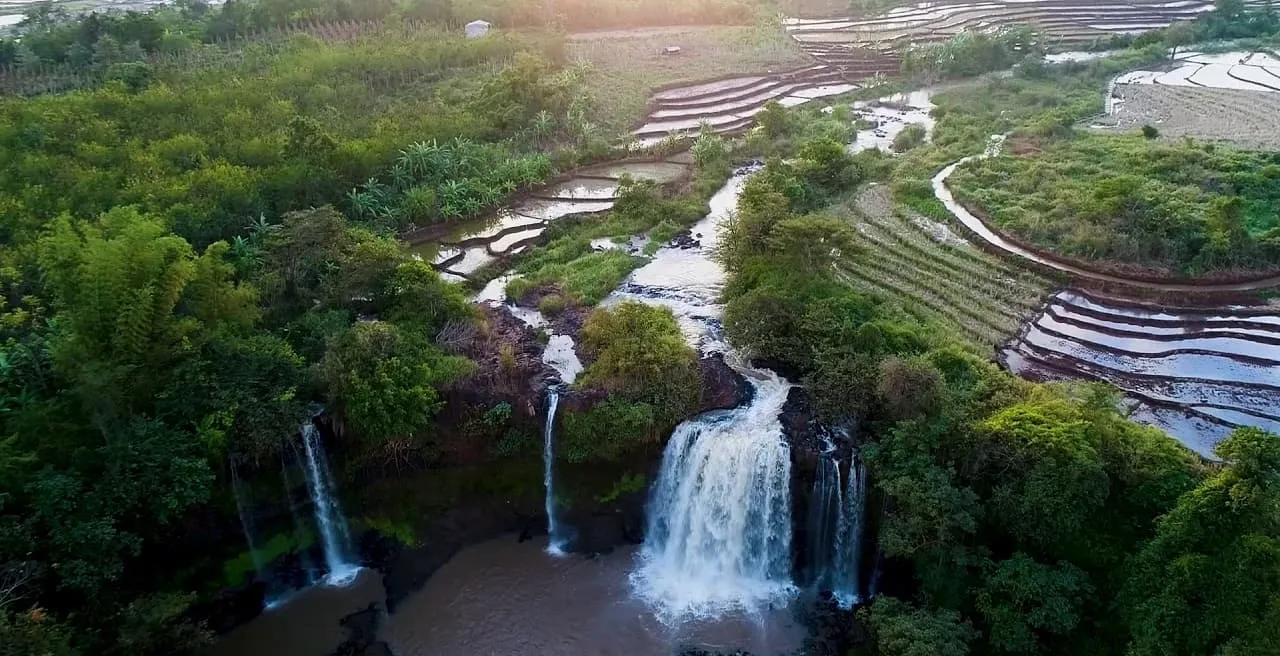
(1250, 119)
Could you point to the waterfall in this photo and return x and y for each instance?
(719, 518)
(848, 552)
(299, 527)
(556, 542)
(826, 510)
(246, 522)
(334, 535)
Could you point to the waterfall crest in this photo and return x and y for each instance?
(556, 541)
(335, 537)
(719, 518)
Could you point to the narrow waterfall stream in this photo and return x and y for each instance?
(335, 537)
(826, 508)
(246, 521)
(845, 582)
(719, 534)
(555, 542)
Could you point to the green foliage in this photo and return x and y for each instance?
(971, 53)
(156, 626)
(384, 380)
(630, 483)
(281, 127)
(607, 431)
(1209, 580)
(898, 629)
(639, 354)
(910, 137)
(1180, 207)
(1022, 597)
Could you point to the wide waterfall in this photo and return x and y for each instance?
(719, 533)
(556, 541)
(335, 537)
(848, 551)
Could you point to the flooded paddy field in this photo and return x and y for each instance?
(1195, 373)
(1066, 21)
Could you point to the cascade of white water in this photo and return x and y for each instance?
(335, 537)
(556, 541)
(719, 533)
(246, 522)
(845, 583)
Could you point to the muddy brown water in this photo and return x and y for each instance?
(504, 598)
(305, 623)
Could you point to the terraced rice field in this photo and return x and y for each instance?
(1065, 22)
(1196, 373)
(471, 246)
(730, 105)
(1242, 71)
(930, 270)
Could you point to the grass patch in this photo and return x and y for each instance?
(626, 66)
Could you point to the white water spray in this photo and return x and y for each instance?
(719, 534)
(556, 542)
(335, 537)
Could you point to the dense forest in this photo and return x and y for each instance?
(194, 256)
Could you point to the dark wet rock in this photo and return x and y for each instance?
(232, 607)
(685, 240)
(577, 401)
(830, 628)
(800, 426)
(722, 387)
(362, 634)
(601, 530)
(376, 549)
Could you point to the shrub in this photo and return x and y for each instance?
(551, 305)
(1150, 132)
(607, 431)
(640, 354)
(911, 136)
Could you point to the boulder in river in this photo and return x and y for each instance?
(722, 387)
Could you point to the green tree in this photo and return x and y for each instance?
(384, 381)
(131, 299)
(1209, 581)
(1022, 598)
(640, 353)
(900, 629)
